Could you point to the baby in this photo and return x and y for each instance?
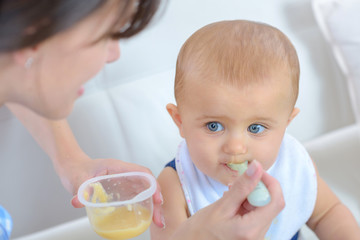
(236, 86)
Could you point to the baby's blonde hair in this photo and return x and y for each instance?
(236, 52)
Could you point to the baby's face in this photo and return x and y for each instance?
(224, 124)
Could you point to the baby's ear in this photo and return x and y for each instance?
(293, 114)
(175, 115)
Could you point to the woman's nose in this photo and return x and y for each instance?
(113, 51)
(235, 146)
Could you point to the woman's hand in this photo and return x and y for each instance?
(231, 217)
(80, 169)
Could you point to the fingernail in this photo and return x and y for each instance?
(252, 168)
(161, 199)
(163, 222)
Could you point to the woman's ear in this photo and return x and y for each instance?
(25, 57)
(175, 115)
(293, 114)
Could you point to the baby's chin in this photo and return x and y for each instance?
(58, 114)
(228, 182)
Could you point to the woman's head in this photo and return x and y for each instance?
(60, 45)
(27, 23)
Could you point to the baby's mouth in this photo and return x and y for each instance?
(239, 167)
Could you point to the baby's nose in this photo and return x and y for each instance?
(235, 146)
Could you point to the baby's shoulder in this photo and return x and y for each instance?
(171, 190)
(169, 180)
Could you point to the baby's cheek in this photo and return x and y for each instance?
(266, 158)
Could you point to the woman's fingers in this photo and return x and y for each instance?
(270, 211)
(76, 203)
(242, 186)
(158, 218)
(158, 201)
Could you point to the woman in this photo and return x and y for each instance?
(48, 50)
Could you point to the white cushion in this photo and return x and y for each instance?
(339, 22)
(336, 155)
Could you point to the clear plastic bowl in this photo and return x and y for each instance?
(119, 206)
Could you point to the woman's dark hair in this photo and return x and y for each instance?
(24, 23)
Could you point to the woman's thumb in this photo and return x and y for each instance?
(243, 186)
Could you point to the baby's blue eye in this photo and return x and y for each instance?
(256, 128)
(214, 126)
